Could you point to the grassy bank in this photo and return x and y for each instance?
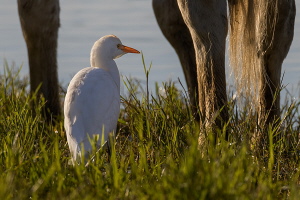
(156, 154)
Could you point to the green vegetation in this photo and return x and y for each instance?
(156, 154)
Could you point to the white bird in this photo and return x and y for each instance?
(92, 102)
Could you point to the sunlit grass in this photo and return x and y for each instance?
(156, 153)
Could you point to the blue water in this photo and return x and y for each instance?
(133, 21)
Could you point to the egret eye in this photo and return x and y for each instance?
(118, 46)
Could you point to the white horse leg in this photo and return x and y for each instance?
(277, 43)
(207, 23)
(171, 23)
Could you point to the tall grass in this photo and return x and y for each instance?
(156, 153)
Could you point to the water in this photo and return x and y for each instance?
(133, 21)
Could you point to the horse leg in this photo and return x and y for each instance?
(171, 23)
(278, 42)
(207, 23)
(40, 23)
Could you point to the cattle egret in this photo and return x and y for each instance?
(92, 102)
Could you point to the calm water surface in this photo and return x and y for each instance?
(133, 21)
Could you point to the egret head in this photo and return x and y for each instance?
(109, 47)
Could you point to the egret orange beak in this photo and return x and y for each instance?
(128, 49)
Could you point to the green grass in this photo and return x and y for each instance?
(156, 153)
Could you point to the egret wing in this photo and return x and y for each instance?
(92, 106)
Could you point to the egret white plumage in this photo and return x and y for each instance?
(92, 102)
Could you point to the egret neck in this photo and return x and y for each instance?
(104, 60)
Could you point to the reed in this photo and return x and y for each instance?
(155, 155)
